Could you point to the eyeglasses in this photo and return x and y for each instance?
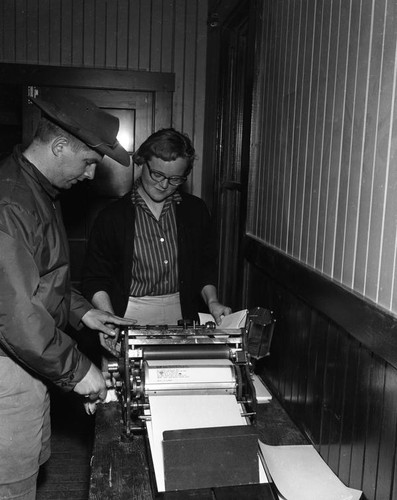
(174, 180)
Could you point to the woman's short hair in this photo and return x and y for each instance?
(167, 144)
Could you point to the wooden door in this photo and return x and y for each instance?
(234, 111)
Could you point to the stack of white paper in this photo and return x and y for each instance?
(299, 473)
(234, 320)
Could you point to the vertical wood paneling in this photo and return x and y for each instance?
(122, 35)
(88, 34)
(44, 31)
(157, 35)
(387, 427)
(323, 184)
(111, 35)
(20, 28)
(32, 31)
(146, 35)
(77, 32)
(133, 46)
(370, 132)
(66, 15)
(349, 411)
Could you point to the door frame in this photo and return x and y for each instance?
(222, 18)
(162, 85)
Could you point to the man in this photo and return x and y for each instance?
(36, 301)
(151, 255)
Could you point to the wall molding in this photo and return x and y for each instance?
(374, 328)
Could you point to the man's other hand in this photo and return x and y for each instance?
(102, 321)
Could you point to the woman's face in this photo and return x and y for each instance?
(157, 187)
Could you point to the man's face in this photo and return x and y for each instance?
(75, 166)
(159, 189)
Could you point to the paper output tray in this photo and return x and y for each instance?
(210, 457)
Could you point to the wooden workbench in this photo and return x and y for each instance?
(120, 470)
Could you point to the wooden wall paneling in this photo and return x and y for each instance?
(134, 34)
(8, 31)
(179, 63)
(302, 125)
(348, 14)
(317, 353)
(67, 33)
(317, 139)
(328, 67)
(43, 32)
(355, 179)
(163, 110)
(339, 386)
(32, 30)
(257, 186)
(294, 97)
(167, 39)
(311, 167)
(374, 171)
(199, 94)
(189, 74)
(361, 419)
(370, 121)
(144, 35)
(300, 365)
(287, 352)
(339, 32)
(122, 34)
(328, 402)
(350, 394)
(383, 229)
(308, 388)
(388, 437)
(55, 31)
(111, 35)
(280, 176)
(77, 31)
(100, 31)
(20, 28)
(156, 35)
(270, 127)
(89, 34)
(375, 399)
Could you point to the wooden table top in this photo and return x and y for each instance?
(120, 470)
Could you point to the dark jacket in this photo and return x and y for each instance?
(36, 301)
(108, 265)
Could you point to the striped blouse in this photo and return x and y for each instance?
(155, 259)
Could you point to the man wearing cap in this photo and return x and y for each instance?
(36, 300)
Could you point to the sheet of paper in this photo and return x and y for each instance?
(262, 393)
(299, 473)
(234, 320)
(187, 412)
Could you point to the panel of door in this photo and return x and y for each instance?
(81, 204)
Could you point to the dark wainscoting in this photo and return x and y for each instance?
(333, 366)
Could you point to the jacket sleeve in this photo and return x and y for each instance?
(78, 307)
(27, 331)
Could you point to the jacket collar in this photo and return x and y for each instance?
(35, 173)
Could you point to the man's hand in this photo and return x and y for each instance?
(92, 385)
(218, 310)
(100, 320)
